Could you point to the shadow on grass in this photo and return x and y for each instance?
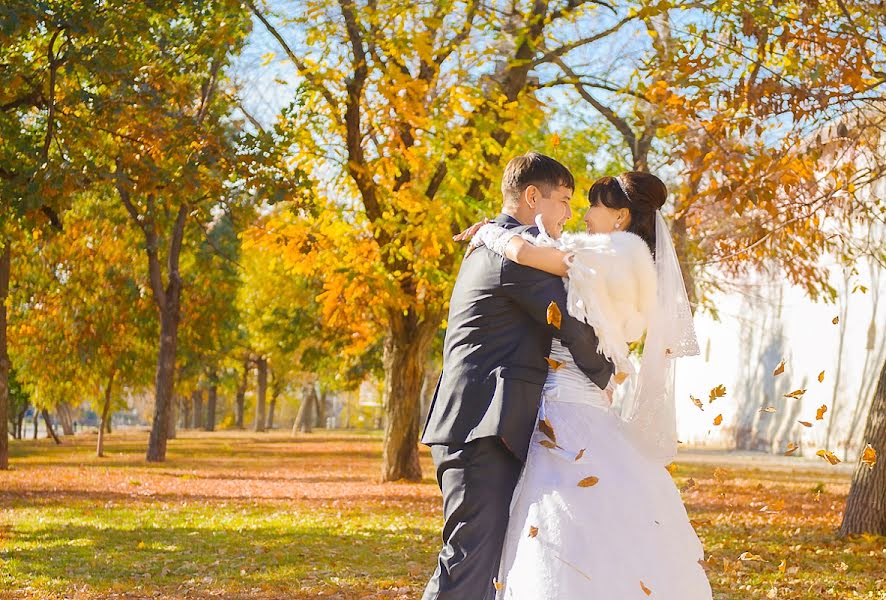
(219, 561)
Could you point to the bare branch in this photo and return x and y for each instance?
(302, 68)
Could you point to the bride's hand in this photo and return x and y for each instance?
(469, 233)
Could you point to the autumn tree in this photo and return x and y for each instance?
(82, 315)
(405, 109)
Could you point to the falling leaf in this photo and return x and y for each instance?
(580, 454)
(690, 483)
(533, 531)
(498, 585)
(620, 378)
(779, 369)
(782, 566)
(792, 447)
(555, 318)
(717, 392)
(869, 456)
(819, 414)
(671, 468)
(821, 377)
(548, 444)
(747, 556)
(805, 423)
(555, 140)
(835, 320)
(860, 288)
(795, 394)
(588, 481)
(768, 409)
(718, 419)
(645, 589)
(697, 402)
(828, 456)
(554, 364)
(546, 428)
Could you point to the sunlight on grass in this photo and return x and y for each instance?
(244, 516)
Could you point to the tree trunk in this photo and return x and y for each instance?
(240, 401)
(405, 360)
(320, 409)
(305, 415)
(36, 421)
(165, 379)
(106, 413)
(261, 365)
(197, 401)
(171, 418)
(50, 431)
(65, 418)
(5, 258)
(20, 424)
(275, 392)
(108, 424)
(866, 505)
(187, 411)
(211, 401)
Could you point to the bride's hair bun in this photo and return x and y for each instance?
(641, 193)
(645, 191)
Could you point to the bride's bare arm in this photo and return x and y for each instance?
(550, 260)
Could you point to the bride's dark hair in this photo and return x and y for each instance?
(639, 192)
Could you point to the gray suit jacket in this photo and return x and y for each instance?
(494, 352)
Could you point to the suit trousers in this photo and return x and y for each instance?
(477, 480)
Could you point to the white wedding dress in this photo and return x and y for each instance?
(596, 515)
(606, 541)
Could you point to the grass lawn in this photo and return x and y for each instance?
(260, 516)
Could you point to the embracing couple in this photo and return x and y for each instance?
(549, 491)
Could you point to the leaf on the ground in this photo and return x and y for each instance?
(533, 531)
(819, 414)
(821, 377)
(717, 392)
(645, 589)
(792, 447)
(690, 483)
(828, 456)
(869, 456)
(768, 409)
(546, 428)
(580, 454)
(721, 474)
(750, 557)
(782, 566)
(554, 364)
(555, 317)
(805, 423)
(779, 369)
(718, 419)
(698, 523)
(796, 394)
(775, 507)
(588, 481)
(697, 402)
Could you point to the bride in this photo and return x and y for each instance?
(596, 515)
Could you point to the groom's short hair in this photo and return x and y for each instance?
(536, 169)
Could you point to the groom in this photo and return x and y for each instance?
(494, 368)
